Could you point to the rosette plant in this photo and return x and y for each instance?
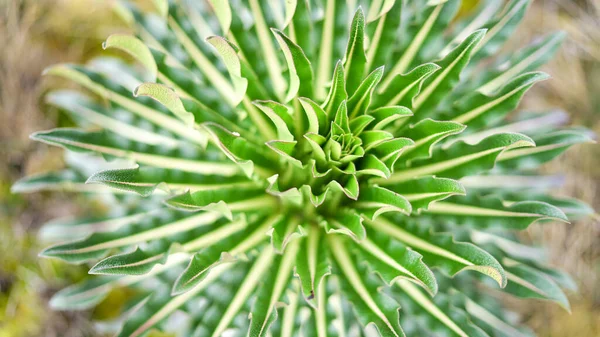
(310, 168)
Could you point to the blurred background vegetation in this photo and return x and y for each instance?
(37, 33)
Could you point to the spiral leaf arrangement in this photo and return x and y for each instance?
(311, 168)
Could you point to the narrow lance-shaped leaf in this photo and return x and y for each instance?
(264, 311)
(299, 67)
(65, 181)
(248, 285)
(501, 28)
(145, 180)
(437, 85)
(312, 265)
(374, 201)
(393, 261)
(421, 193)
(482, 111)
(526, 282)
(403, 88)
(371, 305)
(141, 261)
(104, 88)
(527, 59)
(227, 250)
(152, 228)
(160, 305)
(337, 93)
(460, 159)
(108, 117)
(441, 250)
(223, 201)
(479, 212)
(548, 146)
(87, 294)
(284, 231)
(135, 48)
(228, 53)
(426, 134)
(167, 97)
(360, 101)
(346, 222)
(116, 146)
(441, 313)
(355, 60)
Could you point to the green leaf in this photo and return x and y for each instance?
(283, 232)
(501, 28)
(158, 226)
(223, 201)
(222, 10)
(421, 193)
(227, 250)
(312, 265)
(426, 134)
(65, 181)
(337, 94)
(229, 55)
(167, 97)
(573, 208)
(236, 303)
(481, 111)
(84, 107)
(441, 250)
(386, 29)
(527, 59)
(136, 49)
(461, 159)
(374, 201)
(104, 89)
(328, 318)
(441, 313)
(299, 67)
(84, 295)
(250, 158)
(526, 282)
(403, 88)
(141, 261)
(371, 305)
(267, 48)
(390, 150)
(208, 68)
(355, 60)
(394, 261)
(488, 212)
(281, 117)
(316, 116)
(360, 101)
(499, 326)
(160, 305)
(434, 17)
(87, 294)
(69, 228)
(438, 85)
(145, 180)
(387, 115)
(116, 146)
(348, 223)
(264, 311)
(548, 146)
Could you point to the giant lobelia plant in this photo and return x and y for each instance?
(311, 168)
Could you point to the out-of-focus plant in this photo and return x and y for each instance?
(319, 167)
